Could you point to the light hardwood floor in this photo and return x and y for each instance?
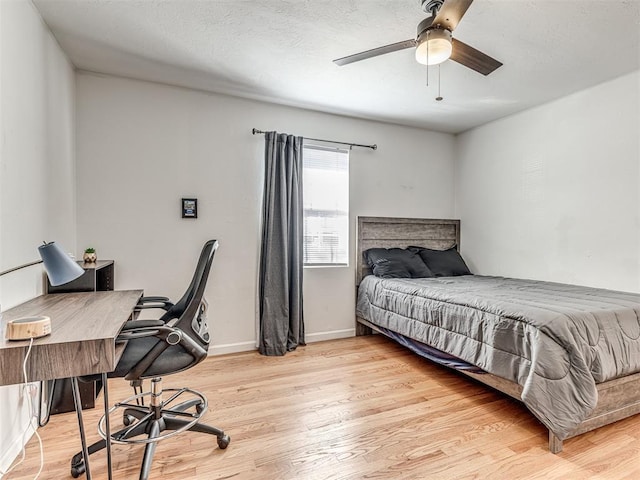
(356, 408)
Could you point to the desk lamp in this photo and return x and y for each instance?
(60, 269)
(59, 266)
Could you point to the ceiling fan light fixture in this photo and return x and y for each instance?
(434, 46)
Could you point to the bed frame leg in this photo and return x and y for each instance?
(555, 444)
(362, 330)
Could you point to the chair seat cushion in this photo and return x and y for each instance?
(172, 360)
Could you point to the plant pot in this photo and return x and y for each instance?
(89, 257)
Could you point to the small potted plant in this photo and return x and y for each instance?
(89, 255)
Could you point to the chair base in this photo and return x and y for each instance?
(154, 421)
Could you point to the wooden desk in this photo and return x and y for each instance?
(84, 327)
(98, 276)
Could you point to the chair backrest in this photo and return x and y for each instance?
(191, 342)
(193, 319)
(179, 307)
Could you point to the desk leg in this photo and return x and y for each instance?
(78, 404)
(106, 424)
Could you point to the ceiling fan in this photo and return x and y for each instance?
(434, 43)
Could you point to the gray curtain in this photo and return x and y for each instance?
(281, 322)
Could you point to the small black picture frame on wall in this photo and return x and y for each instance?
(189, 208)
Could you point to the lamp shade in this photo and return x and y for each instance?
(434, 47)
(60, 267)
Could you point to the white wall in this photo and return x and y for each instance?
(37, 178)
(553, 193)
(142, 146)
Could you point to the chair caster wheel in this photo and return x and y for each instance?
(77, 470)
(128, 419)
(223, 441)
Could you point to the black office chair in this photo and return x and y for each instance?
(172, 310)
(156, 349)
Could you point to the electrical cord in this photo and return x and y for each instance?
(29, 390)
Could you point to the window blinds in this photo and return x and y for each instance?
(326, 205)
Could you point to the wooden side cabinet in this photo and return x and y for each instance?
(98, 276)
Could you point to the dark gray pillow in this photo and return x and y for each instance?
(443, 263)
(396, 263)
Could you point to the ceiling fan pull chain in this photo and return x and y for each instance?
(427, 59)
(428, 32)
(439, 97)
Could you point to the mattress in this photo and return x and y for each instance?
(555, 340)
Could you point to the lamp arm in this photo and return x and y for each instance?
(19, 267)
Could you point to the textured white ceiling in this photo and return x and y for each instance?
(282, 50)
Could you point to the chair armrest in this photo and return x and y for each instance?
(147, 328)
(138, 324)
(153, 299)
(155, 302)
(139, 329)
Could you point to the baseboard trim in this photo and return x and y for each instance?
(332, 335)
(15, 445)
(232, 348)
(251, 346)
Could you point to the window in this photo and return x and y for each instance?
(326, 205)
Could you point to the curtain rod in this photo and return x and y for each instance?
(255, 131)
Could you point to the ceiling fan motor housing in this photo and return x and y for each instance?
(423, 26)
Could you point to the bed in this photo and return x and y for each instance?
(585, 391)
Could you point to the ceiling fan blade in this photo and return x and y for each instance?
(451, 12)
(472, 58)
(394, 47)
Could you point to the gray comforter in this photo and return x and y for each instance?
(557, 341)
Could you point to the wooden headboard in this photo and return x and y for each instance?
(390, 232)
